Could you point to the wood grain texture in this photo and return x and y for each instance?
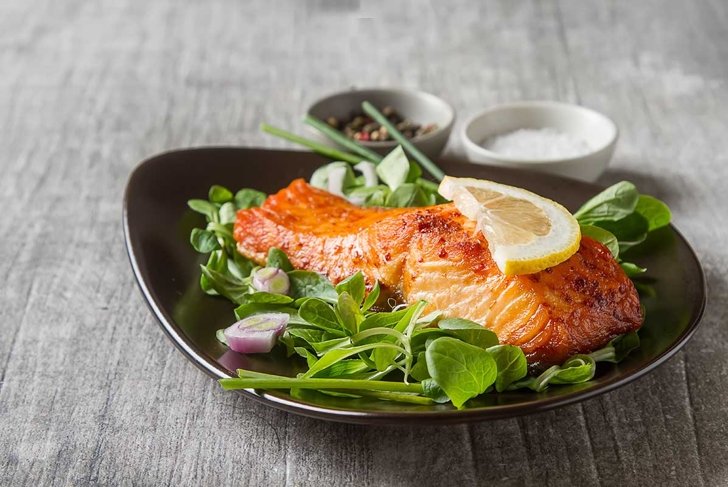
(92, 392)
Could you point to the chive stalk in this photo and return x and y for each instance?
(311, 144)
(316, 383)
(341, 139)
(424, 161)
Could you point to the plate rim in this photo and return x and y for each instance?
(290, 405)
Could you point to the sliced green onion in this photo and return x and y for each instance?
(311, 144)
(342, 139)
(425, 161)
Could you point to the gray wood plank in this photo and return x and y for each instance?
(92, 392)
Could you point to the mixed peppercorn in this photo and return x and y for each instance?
(361, 127)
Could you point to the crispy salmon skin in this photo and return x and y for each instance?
(435, 254)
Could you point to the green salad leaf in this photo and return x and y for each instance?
(614, 203)
(306, 284)
(462, 370)
(204, 241)
(249, 198)
(621, 218)
(219, 194)
(654, 211)
(510, 363)
(469, 332)
(277, 258)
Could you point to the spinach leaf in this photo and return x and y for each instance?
(371, 298)
(348, 313)
(511, 363)
(384, 357)
(242, 266)
(354, 285)
(203, 241)
(303, 352)
(332, 343)
(602, 236)
(394, 168)
(631, 269)
(414, 173)
(369, 196)
(225, 285)
(614, 203)
(338, 354)
(249, 198)
(419, 369)
(654, 211)
(630, 230)
(384, 319)
(469, 332)
(308, 335)
(406, 195)
(320, 314)
(219, 194)
(305, 284)
(431, 389)
(204, 207)
(624, 344)
(278, 258)
(216, 262)
(422, 336)
(227, 213)
(342, 368)
(462, 370)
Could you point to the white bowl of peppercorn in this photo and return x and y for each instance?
(425, 119)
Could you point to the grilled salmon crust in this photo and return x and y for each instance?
(435, 254)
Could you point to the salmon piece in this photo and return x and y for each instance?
(435, 254)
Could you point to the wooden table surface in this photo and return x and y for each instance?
(93, 392)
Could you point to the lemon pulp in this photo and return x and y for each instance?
(526, 233)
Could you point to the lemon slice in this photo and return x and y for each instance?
(526, 233)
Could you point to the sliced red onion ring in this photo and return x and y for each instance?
(336, 180)
(271, 280)
(369, 171)
(257, 333)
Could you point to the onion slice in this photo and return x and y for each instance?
(369, 171)
(257, 333)
(336, 180)
(271, 280)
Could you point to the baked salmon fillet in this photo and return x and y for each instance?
(435, 254)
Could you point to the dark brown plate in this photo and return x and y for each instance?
(157, 225)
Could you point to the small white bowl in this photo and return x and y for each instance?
(599, 132)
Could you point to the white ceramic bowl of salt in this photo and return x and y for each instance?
(558, 138)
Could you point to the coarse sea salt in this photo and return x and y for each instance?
(544, 143)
